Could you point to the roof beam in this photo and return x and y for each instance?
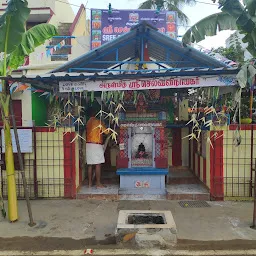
(177, 52)
(106, 53)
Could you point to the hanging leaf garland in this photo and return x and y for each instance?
(109, 96)
(92, 96)
(73, 111)
(116, 94)
(201, 120)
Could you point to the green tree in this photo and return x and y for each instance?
(16, 43)
(234, 15)
(234, 53)
(170, 5)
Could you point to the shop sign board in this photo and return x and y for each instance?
(106, 27)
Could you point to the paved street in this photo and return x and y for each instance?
(79, 224)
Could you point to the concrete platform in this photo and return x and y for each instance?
(142, 197)
(187, 192)
(181, 177)
(173, 192)
(145, 233)
(146, 180)
(109, 192)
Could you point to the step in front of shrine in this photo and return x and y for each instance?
(173, 192)
(178, 185)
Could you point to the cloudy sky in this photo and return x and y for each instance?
(195, 13)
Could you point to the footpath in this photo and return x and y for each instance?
(74, 227)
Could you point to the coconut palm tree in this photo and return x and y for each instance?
(171, 5)
(234, 15)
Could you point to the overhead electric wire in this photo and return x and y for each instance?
(200, 2)
(178, 25)
(71, 4)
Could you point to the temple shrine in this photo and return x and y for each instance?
(142, 162)
(161, 79)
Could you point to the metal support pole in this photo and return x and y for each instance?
(251, 174)
(254, 208)
(142, 49)
(31, 221)
(117, 55)
(252, 129)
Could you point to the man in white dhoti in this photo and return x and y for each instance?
(94, 147)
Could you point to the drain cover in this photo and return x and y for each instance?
(193, 204)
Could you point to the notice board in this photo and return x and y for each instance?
(25, 139)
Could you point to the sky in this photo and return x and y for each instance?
(195, 13)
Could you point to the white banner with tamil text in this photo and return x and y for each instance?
(145, 84)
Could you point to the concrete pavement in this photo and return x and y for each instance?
(126, 252)
(77, 224)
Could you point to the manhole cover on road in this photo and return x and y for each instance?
(193, 204)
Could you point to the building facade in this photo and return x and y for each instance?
(73, 37)
(50, 161)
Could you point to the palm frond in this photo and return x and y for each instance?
(146, 5)
(182, 17)
(170, 5)
(209, 26)
(77, 137)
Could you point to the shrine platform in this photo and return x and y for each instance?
(181, 185)
(142, 180)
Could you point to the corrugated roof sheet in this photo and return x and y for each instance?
(51, 80)
(160, 47)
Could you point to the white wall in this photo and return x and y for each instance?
(64, 12)
(80, 46)
(41, 3)
(37, 3)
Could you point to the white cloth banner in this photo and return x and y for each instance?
(150, 83)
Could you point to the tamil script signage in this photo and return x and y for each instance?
(129, 125)
(144, 84)
(106, 27)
